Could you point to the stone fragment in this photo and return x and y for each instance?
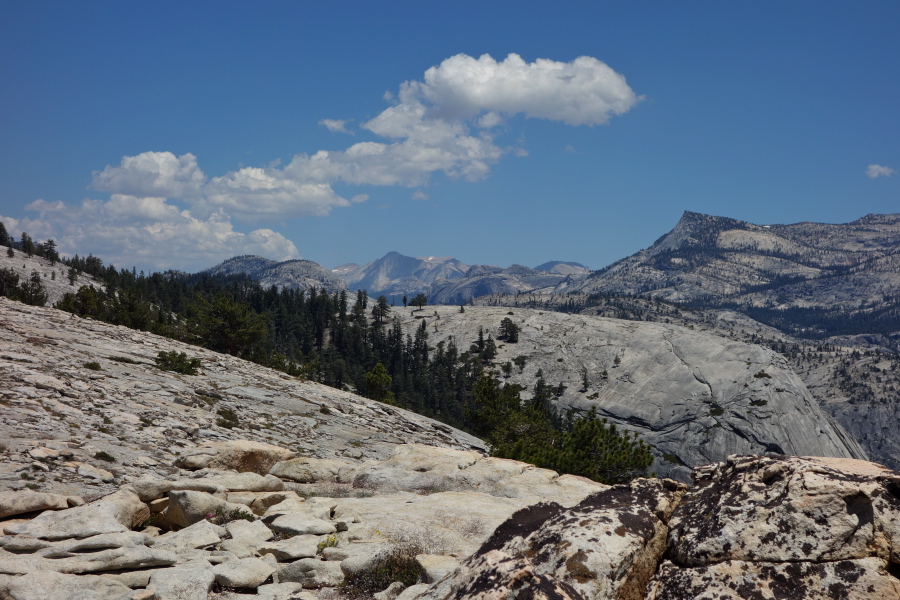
(312, 573)
(243, 573)
(299, 524)
(301, 546)
(312, 470)
(289, 590)
(187, 507)
(199, 535)
(248, 531)
(436, 566)
(191, 581)
(150, 488)
(86, 470)
(235, 455)
(115, 513)
(26, 501)
(391, 593)
(413, 591)
(50, 585)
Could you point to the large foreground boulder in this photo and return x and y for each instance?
(608, 546)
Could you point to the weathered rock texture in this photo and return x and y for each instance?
(695, 398)
(76, 431)
(752, 527)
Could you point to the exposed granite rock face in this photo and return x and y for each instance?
(130, 419)
(608, 546)
(695, 398)
(785, 528)
(752, 527)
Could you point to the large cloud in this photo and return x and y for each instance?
(152, 174)
(583, 92)
(148, 232)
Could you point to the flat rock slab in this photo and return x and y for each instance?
(58, 586)
(299, 524)
(243, 573)
(26, 501)
(116, 513)
(188, 582)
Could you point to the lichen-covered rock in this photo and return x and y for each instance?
(860, 579)
(608, 546)
(787, 509)
(312, 573)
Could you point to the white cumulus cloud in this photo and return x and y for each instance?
(152, 174)
(584, 91)
(149, 232)
(874, 171)
(335, 125)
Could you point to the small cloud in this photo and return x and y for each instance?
(383, 206)
(419, 195)
(571, 150)
(520, 152)
(43, 207)
(489, 120)
(359, 198)
(388, 96)
(336, 125)
(874, 171)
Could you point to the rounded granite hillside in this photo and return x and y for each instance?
(695, 398)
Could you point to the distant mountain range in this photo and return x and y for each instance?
(444, 280)
(808, 279)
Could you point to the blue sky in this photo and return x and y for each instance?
(175, 135)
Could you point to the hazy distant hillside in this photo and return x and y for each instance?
(292, 274)
(483, 280)
(396, 275)
(563, 268)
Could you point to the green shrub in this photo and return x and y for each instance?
(762, 374)
(220, 516)
(124, 359)
(397, 563)
(229, 418)
(177, 362)
(105, 456)
(93, 366)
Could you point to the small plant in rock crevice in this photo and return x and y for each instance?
(179, 362)
(228, 418)
(220, 516)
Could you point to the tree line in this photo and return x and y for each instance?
(350, 341)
